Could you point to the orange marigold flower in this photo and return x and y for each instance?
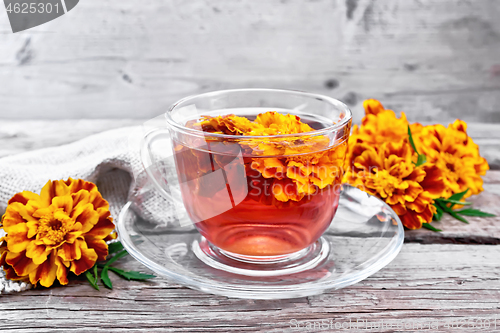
(387, 171)
(381, 161)
(227, 124)
(63, 229)
(298, 166)
(454, 152)
(379, 125)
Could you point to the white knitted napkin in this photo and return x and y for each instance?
(109, 159)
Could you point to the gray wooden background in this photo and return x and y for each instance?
(434, 59)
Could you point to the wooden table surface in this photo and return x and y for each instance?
(437, 280)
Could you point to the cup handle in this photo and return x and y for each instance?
(151, 164)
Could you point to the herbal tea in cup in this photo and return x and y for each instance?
(259, 170)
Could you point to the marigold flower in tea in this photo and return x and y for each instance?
(301, 166)
(63, 229)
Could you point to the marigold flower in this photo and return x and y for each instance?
(454, 152)
(381, 161)
(379, 125)
(298, 166)
(63, 229)
(387, 171)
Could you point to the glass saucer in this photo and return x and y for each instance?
(364, 236)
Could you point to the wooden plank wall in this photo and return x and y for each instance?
(434, 59)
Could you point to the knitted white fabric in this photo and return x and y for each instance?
(109, 159)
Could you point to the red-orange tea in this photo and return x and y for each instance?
(248, 202)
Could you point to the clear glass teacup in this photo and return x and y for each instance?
(255, 198)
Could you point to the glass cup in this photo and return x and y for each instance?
(255, 198)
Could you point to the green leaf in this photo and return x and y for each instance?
(454, 202)
(442, 205)
(474, 212)
(91, 278)
(115, 247)
(104, 273)
(450, 211)
(439, 213)
(458, 196)
(411, 140)
(131, 275)
(105, 278)
(430, 227)
(96, 276)
(117, 256)
(421, 160)
(458, 217)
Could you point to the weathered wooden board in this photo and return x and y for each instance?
(436, 60)
(425, 283)
(22, 136)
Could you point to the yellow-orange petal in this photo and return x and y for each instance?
(413, 191)
(17, 238)
(46, 272)
(51, 190)
(103, 228)
(99, 245)
(62, 271)
(101, 206)
(306, 188)
(411, 220)
(373, 106)
(433, 181)
(86, 215)
(368, 159)
(10, 273)
(24, 197)
(418, 174)
(421, 203)
(87, 261)
(269, 167)
(74, 234)
(45, 211)
(32, 228)
(80, 198)
(459, 125)
(285, 189)
(111, 236)
(65, 202)
(38, 253)
(76, 185)
(70, 252)
(17, 213)
(428, 213)
(305, 169)
(399, 209)
(393, 199)
(21, 264)
(294, 172)
(3, 252)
